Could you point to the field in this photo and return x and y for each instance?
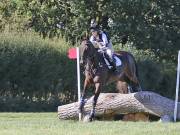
(48, 124)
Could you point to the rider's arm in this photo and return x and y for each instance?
(94, 42)
(91, 39)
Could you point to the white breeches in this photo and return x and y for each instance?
(110, 50)
(110, 46)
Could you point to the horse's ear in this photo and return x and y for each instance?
(84, 42)
(85, 38)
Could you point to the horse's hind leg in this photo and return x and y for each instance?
(122, 87)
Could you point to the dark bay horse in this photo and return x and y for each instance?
(98, 74)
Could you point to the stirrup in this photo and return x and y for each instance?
(113, 68)
(113, 64)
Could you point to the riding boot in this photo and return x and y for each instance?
(112, 62)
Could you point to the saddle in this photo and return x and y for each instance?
(116, 59)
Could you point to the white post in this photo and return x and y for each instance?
(177, 87)
(78, 78)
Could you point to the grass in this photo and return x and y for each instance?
(48, 124)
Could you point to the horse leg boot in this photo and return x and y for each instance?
(81, 107)
(96, 95)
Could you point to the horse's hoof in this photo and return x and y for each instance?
(166, 118)
(87, 118)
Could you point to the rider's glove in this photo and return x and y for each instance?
(95, 44)
(101, 45)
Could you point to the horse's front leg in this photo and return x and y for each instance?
(98, 87)
(82, 102)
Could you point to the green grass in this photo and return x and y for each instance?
(48, 124)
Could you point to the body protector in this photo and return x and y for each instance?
(104, 44)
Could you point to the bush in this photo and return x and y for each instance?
(34, 68)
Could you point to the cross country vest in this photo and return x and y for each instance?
(100, 36)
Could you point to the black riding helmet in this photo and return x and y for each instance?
(96, 28)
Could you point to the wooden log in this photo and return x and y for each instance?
(116, 103)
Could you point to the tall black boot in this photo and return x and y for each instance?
(113, 64)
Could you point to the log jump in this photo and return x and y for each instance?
(116, 103)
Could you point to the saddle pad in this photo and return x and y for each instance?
(118, 61)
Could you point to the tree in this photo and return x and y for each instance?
(148, 24)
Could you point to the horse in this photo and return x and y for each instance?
(98, 74)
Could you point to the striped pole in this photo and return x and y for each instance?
(177, 87)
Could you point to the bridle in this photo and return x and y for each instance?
(88, 66)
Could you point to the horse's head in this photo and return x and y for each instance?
(87, 51)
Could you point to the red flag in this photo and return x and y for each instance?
(72, 53)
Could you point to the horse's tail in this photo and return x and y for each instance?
(137, 73)
(133, 70)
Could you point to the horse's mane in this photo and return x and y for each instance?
(97, 57)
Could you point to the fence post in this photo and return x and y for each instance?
(78, 79)
(177, 87)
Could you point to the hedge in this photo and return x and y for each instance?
(36, 74)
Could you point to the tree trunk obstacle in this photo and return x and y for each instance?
(111, 104)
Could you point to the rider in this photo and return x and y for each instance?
(100, 37)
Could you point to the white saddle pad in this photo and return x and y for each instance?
(118, 61)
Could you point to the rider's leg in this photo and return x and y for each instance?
(110, 55)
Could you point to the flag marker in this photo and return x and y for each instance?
(73, 53)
